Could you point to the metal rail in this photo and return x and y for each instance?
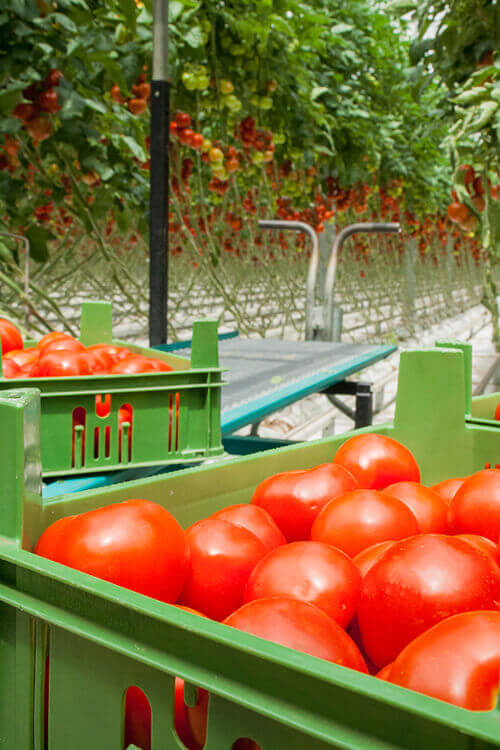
(301, 226)
(376, 227)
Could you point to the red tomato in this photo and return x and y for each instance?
(294, 498)
(62, 343)
(417, 583)
(160, 365)
(61, 363)
(369, 556)
(49, 337)
(138, 719)
(97, 364)
(191, 721)
(133, 365)
(254, 519)
(377, 461)
(311, 572)
(136, 544)
(109, 353)
(51, 536)
(475, 509)
(359, 519)
(481, 543)
(300, 626)
(448, 489)
(10, 336)
(23, 357)
(457, 661)
(384, 672)
(429, 509)
(497, 411)
(222, 557)
(10, 369)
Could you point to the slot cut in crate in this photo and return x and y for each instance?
(99, 423)
(93, 640)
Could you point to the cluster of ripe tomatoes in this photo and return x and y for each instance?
(354, 561)
(61, 355)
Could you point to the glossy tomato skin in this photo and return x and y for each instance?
(136, 544)
(254, 519)
(50, 538)
(222, 557)
(359, 519)
(429, 509)
(24, 357)
(109, 353)
(133, 365)
(384, 673)
(300, 626)
(10, 369)
(458, 661)
(61, 364)
(481, 543)
(417, 583)
(49, 337)
(63, 343)
(10, 336)
(475, 509)
(497, 411)
(310, 572)
(377, 461)
(294, 498)
(448, 488)
(137, 730)
(366, 559)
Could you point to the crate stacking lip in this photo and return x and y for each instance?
(98, 423)
(86, 641)
(479, 410)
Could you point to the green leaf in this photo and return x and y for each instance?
(341, 28)
(133, 147)
(39, 237)
(317, 91)
(129, 9)
(64, 22)
(194, 37)
(175, 9)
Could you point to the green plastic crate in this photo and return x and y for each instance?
(478, 409)
(175, 415)
(99, 639)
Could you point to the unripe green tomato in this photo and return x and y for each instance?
(207, 145)
(255, 100)
(189, 80)
(220, 173)
(233, 103)
(279, 138)
(226, 87)
(265, 102)
(203, 82)
(257, 157)
(272, 86)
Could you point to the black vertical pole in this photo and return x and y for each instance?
(159, 179)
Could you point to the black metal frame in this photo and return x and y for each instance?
(158, 212)
(362, 414)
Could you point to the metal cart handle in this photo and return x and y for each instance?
(301, 226)
(376, 227)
